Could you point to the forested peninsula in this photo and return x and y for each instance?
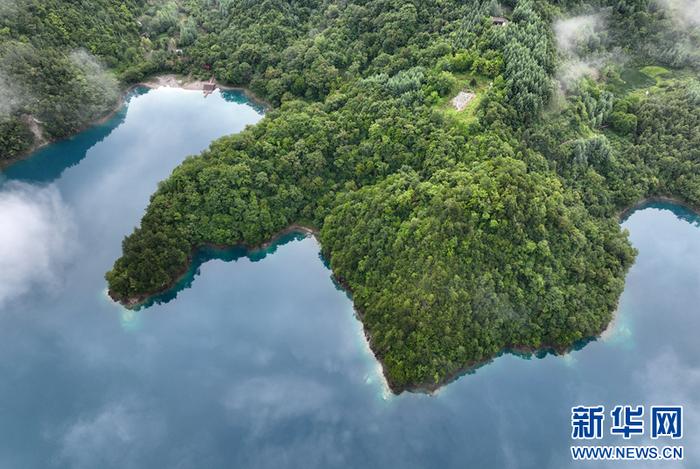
(459, 233)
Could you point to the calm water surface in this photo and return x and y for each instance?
(261, 362)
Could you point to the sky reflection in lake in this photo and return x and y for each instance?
(259, 361)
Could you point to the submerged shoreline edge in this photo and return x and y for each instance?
(425, 388)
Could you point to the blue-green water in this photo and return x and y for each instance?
(258, 361)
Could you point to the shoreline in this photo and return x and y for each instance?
(624, 214)
(171, 80)
(138, 301)
(167, 80)
(426, 388)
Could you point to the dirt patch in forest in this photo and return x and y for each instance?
(462, 99)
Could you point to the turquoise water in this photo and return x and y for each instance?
(257, 360)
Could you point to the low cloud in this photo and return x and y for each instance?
(101, 82)
(573, 70)
(573, 37)
(95, 71)
(36, 238)
(684, 12)
(584, 47)
(572, 32)
(99, 87)
(7, 6)
(12, 97)
(15, 94)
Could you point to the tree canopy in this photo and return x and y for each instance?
(459, 234)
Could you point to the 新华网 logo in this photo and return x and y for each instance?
(626, 421)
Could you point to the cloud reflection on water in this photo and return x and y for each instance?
(36, 240)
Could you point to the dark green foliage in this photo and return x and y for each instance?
(668, 140)
(105, 28)
(623, 123)
(456, 243)
(69, 91)
(457, 240)
(53, 56)
(652, 151)
(15, 137)
(286, 169)
(528, 57)
(307, 48)
(451, 270)
(658, 32)
(592, 152)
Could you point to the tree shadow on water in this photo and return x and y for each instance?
(681, 210)
(243, 97)
(48, 163)
(682, 213)
(230, 254)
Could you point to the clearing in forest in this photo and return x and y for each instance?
(463, 98)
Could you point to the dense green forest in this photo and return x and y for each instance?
(459, 234)
(53, 59)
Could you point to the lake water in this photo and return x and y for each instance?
(258, 361)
